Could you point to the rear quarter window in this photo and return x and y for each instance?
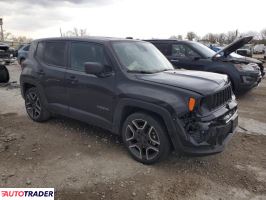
(39, 51)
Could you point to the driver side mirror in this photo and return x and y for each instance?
(94, 68)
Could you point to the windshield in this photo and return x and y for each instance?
(141, 57)
(204, 50)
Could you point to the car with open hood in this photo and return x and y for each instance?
(190, 55)
(129, 88)
(241, 58)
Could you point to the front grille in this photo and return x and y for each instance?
(219, 98)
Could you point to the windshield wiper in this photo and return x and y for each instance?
(162, 70)
(139, 71)
(147, 72)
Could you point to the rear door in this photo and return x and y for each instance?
(90, 98)
(51, 57)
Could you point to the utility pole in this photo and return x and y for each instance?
(1, 26)
(61, 32)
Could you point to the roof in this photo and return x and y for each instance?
(89, 38)
(169, 40)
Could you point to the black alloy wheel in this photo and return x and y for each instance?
(34, 106)
(145, 138)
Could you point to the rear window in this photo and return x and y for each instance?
(54, 53)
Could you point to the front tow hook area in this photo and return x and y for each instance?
(213, 133)
(218, 134)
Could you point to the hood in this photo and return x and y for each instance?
(248, 60)
(252, 60)
(234, 46)
(200, 82)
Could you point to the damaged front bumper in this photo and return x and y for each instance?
(209, 135)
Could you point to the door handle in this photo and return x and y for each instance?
(72, 79)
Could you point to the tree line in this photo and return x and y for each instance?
(219, 38)
(223, 38)
(16, 39)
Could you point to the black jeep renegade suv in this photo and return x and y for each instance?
(131, 89)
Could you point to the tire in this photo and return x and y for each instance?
(145, 138)
(4, 74)
(34, 106)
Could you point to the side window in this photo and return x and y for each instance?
(54, 53)
(39, 51)
(82, 52)
(180, 50)
(164, 48)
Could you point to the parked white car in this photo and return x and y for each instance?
(259, 48)
(246, 50)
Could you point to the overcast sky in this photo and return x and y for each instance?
(136, 18)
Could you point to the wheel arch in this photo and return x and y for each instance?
(27, 83)
(127, 107)
(27, 86)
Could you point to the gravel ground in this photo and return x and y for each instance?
(85, 162)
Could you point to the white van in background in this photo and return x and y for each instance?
(259, 48)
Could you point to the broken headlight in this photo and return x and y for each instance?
(246, 67)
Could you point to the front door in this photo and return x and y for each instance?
(90, 98)
(183, 56)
